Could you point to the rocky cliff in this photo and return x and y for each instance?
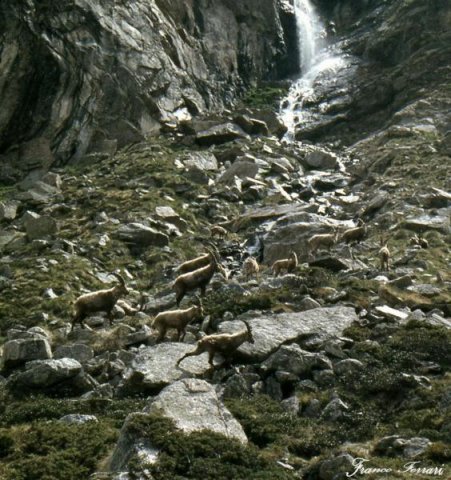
(87, 76)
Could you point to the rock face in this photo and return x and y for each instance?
(106, 74)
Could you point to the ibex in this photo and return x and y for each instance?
(178, 319)
(288, 264)
(223, 343)
(199, 278)
(218, 231)
(99, 301)
(250, 267)
(195, 263)
(326, 240)
(384, 254)
(355, 234)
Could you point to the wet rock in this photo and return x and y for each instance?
(219, 134)
(78, 351)
(271, 331)
(141, 235)
(155, 367)
(17, 352)
(37, 226)
(194, 405)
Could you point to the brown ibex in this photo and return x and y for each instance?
(384, 254)
(223, 343)
(250, 267)
(326, 240)
(289, 264)
(199, 278)
(178, 319)
(355, 234)
(99, 301)
(218, 231)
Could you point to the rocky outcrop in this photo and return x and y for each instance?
(93, 75)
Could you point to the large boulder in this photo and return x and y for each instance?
(140, 235)
(240, 169)
(39, 226)
(22, 350)
(270, 331)
(219, 134)
(155, 367)
(42, 374)
(194, 405)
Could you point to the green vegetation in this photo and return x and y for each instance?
(264, 97)
(199, 454)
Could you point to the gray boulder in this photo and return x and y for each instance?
(19, 351)
(270, 331)
(292, 359)
(141, 235)
(37, 226)
(78, 419)
(219, 134)
(78, 351)
(201, 160)
(240, 169)
(337, 467)
(8, 210)
(155, 367)
(46, 373)
(321, 159)
(194, 405)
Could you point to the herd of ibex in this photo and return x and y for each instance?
(197, 273)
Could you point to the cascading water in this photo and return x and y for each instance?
(315, 58)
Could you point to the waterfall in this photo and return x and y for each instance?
(315, 58)
(309, 33)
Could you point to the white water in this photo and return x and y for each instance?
(315, 60)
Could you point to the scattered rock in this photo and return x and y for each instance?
(17, 352)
